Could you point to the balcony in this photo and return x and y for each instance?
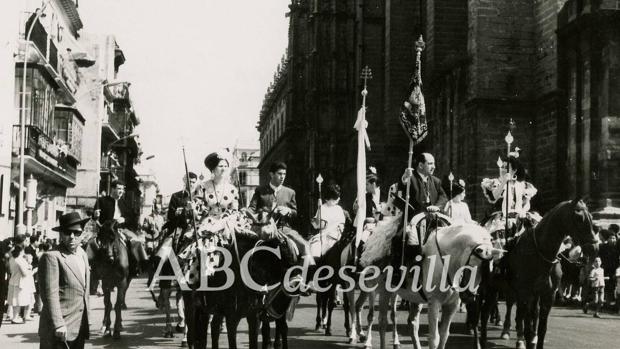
(43, 158)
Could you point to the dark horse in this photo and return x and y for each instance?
(240, 300)
(533, 258)
(494, 282)
(109, 258)
(326, 301)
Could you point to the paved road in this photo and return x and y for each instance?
(568, 328)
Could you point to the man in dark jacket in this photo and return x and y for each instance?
(279, 201)
(178, 212)
(426, 195)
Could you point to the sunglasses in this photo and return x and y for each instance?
(77, 233)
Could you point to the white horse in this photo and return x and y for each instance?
(466, 246)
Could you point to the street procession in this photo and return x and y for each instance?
(417, 174)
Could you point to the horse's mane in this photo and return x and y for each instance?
(551, 216)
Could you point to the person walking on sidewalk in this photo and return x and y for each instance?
(64, 283)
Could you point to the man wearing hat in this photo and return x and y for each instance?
(64, 283)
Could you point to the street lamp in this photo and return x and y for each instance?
(22, 121)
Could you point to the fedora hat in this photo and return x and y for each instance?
(71, 221)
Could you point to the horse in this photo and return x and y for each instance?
(467, 246)
(109, 257)
(332, 260)
(173, 240)
(494, 282)
(532, 261)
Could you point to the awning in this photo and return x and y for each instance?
(82, 59)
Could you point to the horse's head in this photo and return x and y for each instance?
(471, 246)
(579, 226)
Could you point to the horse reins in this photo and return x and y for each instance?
(473, 252)
(538, 249)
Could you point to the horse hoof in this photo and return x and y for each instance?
(324, 326)
(317, 327)
(499, 323)
(520, 344)
(347, 333)
(396, 346)
(363, 337)
(183, 344)
(352, 341)
(117, 335)
(505, 336)
(535, 340)
(328, 332)
(179, 328)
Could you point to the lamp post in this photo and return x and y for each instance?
(22, 121)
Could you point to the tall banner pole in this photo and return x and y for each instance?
(413, 120)
(362, 142)
(191, 198)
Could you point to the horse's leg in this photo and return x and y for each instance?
(331, 303)
(510, 301)
(354, 324)
(266, 332)
(359, 306)
(232, 322)
(164, 302)
(107, 322)
(282, 334)
(414, 321)
(394, 318)
(188, 311)
(347, 317)
(535, 312)
(216, 326)
(252, 320)
(447, 313)
(545, 309)
(201, 321)
(433, 321)
(370, 318)
(277, 338)
(488, 303)
(318, 311)
(384, 304)
(121, 290)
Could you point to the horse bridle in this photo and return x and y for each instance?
(474, 252)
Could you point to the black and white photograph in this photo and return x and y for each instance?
(278, 174)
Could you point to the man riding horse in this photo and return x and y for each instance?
(427, 195)
(115, 207)
(279, 200)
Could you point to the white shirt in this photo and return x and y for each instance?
(117, 210)
(275, 189)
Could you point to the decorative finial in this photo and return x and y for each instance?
(451, 177)
(319, 179)
(420, 45)
(366, 75)
(509, 139)
(499, 162)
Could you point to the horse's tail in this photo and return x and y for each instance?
(379, 243)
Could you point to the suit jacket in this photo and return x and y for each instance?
(107, 207)
(64, 294)
(418, 195)
(178, 199)
(265, 199)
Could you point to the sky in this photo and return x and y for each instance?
(199, 70)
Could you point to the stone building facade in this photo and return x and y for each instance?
(550, 66)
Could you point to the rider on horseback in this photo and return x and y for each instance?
(515, 194)
(373, 211)
(427, 195)
(115, 208)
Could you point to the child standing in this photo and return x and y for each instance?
(597, 280)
